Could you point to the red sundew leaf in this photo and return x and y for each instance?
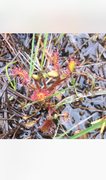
(55, 60)
(39, 94)
(24, 77)
(56, 63)
(46, 125)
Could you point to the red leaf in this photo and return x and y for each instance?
(46, 125)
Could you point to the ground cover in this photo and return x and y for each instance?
(52, 86)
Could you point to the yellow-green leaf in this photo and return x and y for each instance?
(30, 124)
(94, 122)
(102, 127)
(36, 77)
(71, 66)
(53, 74)
(63, 76)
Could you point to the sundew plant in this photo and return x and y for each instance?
(49, 82)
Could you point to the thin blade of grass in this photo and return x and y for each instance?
(59, 38)
(47, 50)
(38, 43)
(44, 47)
(31, 62)
(76, 35)
(98, 125)
(72, 80)
(93, 80)
(14, 86)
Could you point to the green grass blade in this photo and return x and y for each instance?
(31, 56)
(93, 80)
(98, 125)
(48, 50)
(59, 38)
(38, 43)
(72, 80)
(14, 86)
(44, 47)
